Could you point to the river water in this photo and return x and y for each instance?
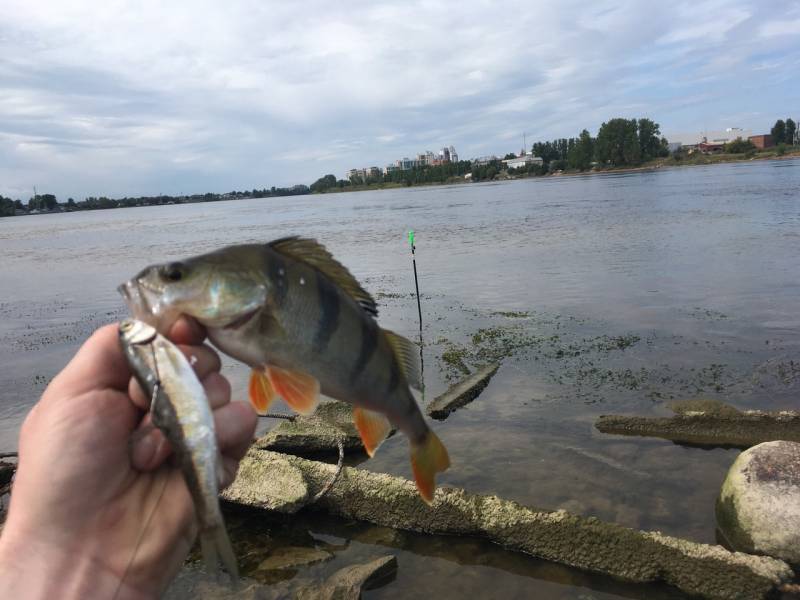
(603, 294)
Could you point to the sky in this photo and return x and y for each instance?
(128, 98)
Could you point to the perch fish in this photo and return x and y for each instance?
(305, 326)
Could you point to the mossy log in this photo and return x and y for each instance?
(582, 542)
(708, 423)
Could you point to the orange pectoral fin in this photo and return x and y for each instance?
(299, 390)
(261, 392)
(427, 459)
(373, 428)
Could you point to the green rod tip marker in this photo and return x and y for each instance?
(411, 237)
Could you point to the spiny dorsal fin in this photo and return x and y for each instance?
(314, 254)
(407, 354)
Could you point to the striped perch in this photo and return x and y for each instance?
(305, 326)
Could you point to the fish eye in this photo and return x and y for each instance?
(173, 272)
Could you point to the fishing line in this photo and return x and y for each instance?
(153, 396)
(419, 310)
(327, 487)
(156, 389)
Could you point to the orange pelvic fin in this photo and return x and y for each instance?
(373, 428)
(427, 459)
(261, 392)
(299, 390)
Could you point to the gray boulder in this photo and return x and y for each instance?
(758, 510)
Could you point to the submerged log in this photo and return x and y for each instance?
(582, 542)
(461, 393)
(708, 423)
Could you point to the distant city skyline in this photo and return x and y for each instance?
(129, 98)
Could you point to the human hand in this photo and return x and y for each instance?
(92, 474)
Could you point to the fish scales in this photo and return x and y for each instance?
(305, 326)
(314, 308)
(180, 409)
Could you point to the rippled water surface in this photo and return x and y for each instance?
(604, 294)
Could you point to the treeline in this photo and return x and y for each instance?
(49, 202)
(9, 207)
(619, 143)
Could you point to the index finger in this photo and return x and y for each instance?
(187, 331)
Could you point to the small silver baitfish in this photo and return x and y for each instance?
(180, 409)
(305, 326)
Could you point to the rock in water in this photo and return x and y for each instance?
(758, 510)
(317, 433)
(462, 393)
(269, 484)
(348, 583)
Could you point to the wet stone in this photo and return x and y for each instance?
(703, 405)
(315, 434)
(758, 509)
(292, 557)
(461, 393)
(195, 583)
(716, 425)
(349, 582)
(264, 482)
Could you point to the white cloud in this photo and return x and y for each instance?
(130, 97)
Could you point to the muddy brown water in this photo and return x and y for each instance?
(603, 294)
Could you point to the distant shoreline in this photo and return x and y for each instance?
(654, 165)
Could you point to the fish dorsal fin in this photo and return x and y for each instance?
(314, 254)
(407, 354)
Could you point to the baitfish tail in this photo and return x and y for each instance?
(215, 545)
(428, 458)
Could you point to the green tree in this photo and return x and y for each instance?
(791, 131)
(778, 132)
(6, 207)
(651, 144)
(49, 201)
(324, 183)
(509, 156)
(618, 143)
(582, 152)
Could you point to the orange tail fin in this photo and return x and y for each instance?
(299, 390)
(373, 428)
(261, 392)
(427, 459)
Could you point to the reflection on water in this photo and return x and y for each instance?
(605, 294)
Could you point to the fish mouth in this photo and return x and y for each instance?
(144, 305)
(137, 302)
